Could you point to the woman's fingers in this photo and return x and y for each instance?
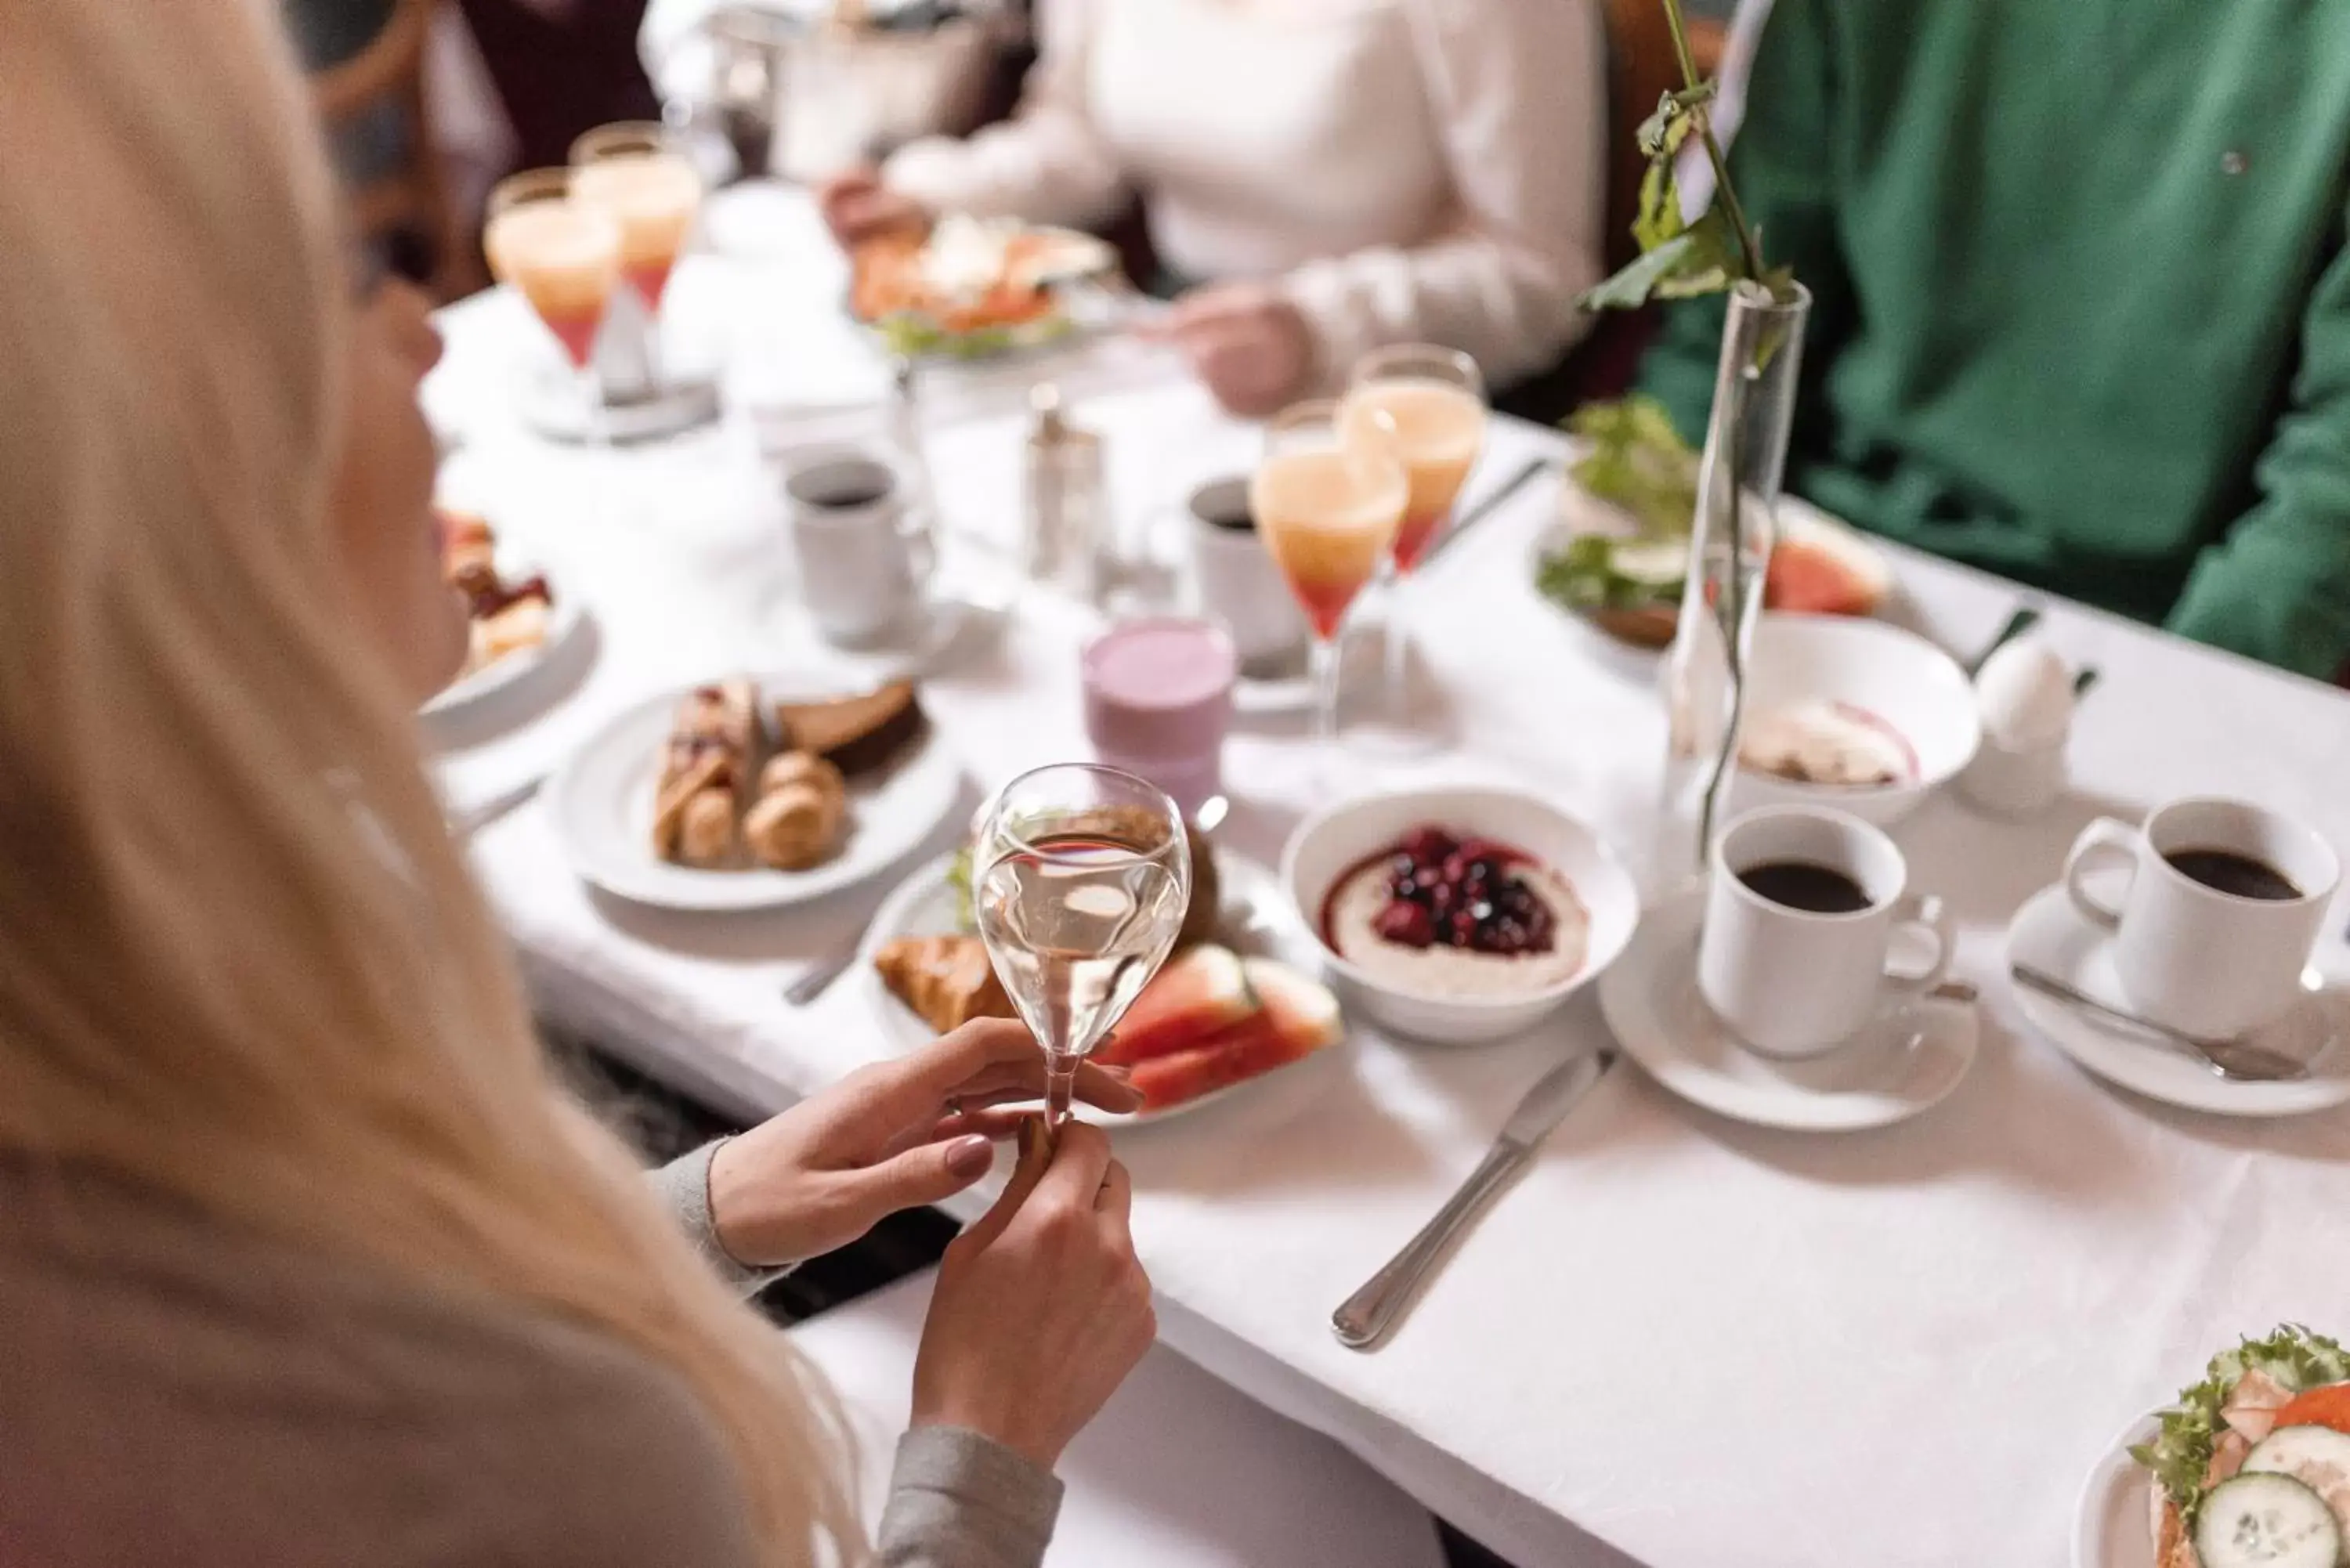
(990, 1055)
(1035, 1154)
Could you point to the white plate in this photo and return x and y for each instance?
(1254, 920)
(2113, 1525)
(565, 614)
(2049, 934)
(602, 805)
(1905, 1062)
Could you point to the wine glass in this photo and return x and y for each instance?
(1328, 497)
(1436, 399)
(634, 172)
(1080, 880)
(564, 255)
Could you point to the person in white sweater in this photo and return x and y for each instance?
(1320, 177)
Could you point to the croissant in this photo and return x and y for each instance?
(947, 980)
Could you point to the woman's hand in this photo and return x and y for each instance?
(857, 207)
(1245, 341)
(886, 1137)
(1041, 1308)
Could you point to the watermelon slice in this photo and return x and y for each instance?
(1196, 996)
(1820, 568)
(1297, 1018)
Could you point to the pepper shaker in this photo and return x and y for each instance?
(1065, 496)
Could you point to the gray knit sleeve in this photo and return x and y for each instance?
(958, 1500)
(685, 1186)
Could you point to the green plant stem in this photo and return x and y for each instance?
(1723, 191)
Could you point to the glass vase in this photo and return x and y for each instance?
(1729, 551)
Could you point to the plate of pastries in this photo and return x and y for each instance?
(751, 791)
(515, 616)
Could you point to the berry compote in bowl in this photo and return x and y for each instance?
(1458, 915)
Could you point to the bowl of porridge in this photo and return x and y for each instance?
(1458, 915)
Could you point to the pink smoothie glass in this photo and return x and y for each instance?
(1159, 699)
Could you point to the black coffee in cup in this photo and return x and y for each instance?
(1239, 522)
(1806, 885)
(848, 485)
(2225, 871)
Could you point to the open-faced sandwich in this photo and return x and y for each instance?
(739, 787)
(507, 616)
(1622, 554)
(2251, 1468)
(1209, 1019)
(969, 286)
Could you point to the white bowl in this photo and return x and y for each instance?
(1896, 675)
(1335, 840)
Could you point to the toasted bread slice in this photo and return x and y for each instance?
(947, 980)
(858, 734)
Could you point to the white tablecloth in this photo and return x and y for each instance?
(1696, 1341)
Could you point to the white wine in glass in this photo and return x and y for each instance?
(1082, 876)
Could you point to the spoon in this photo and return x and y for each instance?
(2023, 618)
(2234, 1059)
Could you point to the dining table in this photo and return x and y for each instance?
(1677, 1340)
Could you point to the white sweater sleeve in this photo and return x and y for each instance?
(1047, 164)
(1520, 93)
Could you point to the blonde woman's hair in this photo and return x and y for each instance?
(239, 961)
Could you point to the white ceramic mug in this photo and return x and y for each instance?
(2202, 960)
(1795, 982)
(865, 553)
(1239, 584)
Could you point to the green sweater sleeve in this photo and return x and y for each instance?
(1784, 165)
(2277, 587)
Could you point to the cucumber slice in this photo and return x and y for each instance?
(2266, 1520)
(2316, 1457)
(1658, 564)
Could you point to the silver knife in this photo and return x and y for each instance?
(819, 979)
(496, 808)
(1371, 1312)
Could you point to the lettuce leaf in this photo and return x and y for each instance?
(2180, 1455)
(959, 883)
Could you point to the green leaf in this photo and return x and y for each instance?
(1660, 217)
(1710, 264)
(1661, 134)
(1633, 283)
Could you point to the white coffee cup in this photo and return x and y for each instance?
(1793, 982)
(1239, 584)
(865, 555)
(2203, 959)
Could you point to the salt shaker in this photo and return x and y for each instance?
(1065, 495)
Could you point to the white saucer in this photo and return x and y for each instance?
(2049, 934)
(565, 614)
(1904, 1062)
(602, 807)
(1255, 920)
(2112, 1526)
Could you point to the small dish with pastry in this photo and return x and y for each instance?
(517, 616)
(751, 791)
(1235, 1004)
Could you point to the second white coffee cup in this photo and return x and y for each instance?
(1801, 907)
(2226, 901)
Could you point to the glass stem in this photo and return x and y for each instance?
(1324, 666)
(1392, 652)
(1060, 1088)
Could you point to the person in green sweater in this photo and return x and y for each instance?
(2081, 300)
